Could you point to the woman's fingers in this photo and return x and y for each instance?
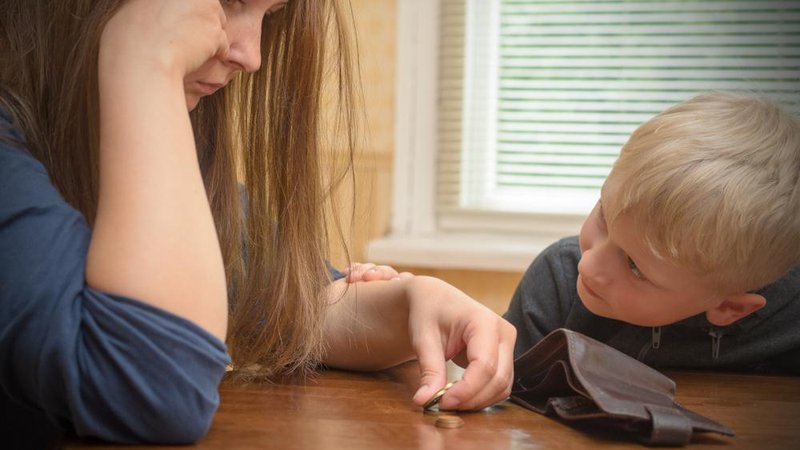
(467, 331)
(177, 36)
(432, 365)
(487, 381)
(370, 272)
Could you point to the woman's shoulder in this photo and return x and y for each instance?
(8, 131)
(23, 178)
(14, 154)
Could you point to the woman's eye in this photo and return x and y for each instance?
(635, 270)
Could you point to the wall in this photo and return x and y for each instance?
(376, 30)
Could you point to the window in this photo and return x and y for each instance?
(511, 112)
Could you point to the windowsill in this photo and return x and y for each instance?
(467, 251)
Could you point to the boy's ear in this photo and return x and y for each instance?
(735, 307)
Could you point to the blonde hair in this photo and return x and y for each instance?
(266, 126)
(714, 185)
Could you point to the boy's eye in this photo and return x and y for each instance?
(635, 270)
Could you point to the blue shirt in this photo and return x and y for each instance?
(78, 360)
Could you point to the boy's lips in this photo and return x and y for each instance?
(589, 290)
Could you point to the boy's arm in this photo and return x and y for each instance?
(545, 295)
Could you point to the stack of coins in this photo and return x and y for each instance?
(449, 421)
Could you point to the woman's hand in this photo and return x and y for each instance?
(176, 37)
(377, 325)
(444, 323)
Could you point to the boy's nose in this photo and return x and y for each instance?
(593, 267)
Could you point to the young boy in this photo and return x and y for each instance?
(690, 257)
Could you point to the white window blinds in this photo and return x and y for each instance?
(537, 97)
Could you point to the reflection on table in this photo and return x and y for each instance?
(345, 410)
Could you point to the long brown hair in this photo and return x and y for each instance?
(264, 132)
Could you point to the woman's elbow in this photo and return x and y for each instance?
(187, 428)
(182, 418)
(168, 422)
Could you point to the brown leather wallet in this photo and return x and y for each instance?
(580, 379)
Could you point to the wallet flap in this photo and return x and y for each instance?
(618, 383)
(704, 424)
(670, 427)
(576, 377)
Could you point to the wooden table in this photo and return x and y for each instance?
(343, 410)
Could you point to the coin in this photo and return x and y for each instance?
(437, 396)
(448, 421)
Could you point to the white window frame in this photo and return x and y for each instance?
(475, 240)
(454, 236)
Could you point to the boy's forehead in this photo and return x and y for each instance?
(610, 188)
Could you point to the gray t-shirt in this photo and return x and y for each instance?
(765, 341)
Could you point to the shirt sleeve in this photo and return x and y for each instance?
(545, 295)
(335, 273)
(96, 364)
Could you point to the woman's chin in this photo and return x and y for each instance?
(192, 100)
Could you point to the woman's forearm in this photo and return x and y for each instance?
(366, 325)
(154, 237)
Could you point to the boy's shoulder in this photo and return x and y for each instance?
(783, 302)
(569, 244)
(765, 341)
(567, 250)
(783, 299)
(789, 283)
(556, 266)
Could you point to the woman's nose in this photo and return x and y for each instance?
(245, 45)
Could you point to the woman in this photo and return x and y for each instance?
(123, 244)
